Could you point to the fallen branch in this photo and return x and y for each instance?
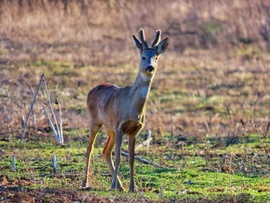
(141, 194)
(31, 108)
(143, 160)
(146, 142)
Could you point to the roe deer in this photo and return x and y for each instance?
(122, 110)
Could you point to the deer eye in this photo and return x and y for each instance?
(143, 58)
(156, 58)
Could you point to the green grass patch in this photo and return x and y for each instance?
(195, 171)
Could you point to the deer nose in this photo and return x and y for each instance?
(150, 69)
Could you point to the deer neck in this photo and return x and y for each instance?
(140, 92)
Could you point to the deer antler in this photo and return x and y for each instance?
(142, 38)
(157, 38)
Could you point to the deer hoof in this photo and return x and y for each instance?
(132, 190)
(85, 184)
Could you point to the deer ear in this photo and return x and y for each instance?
(138, 44)
(162, 46)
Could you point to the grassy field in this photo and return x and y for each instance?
(208, 109)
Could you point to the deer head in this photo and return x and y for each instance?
(150, 55)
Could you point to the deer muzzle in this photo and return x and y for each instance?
(150, 69)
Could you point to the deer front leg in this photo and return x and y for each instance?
(131, 145)
(119, 136)
(107, 152)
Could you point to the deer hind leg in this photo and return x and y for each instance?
(118, 142)
(92, 137)
(107, 152)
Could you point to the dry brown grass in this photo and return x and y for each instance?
(193, 95)
(99, 31)
(208, 90)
